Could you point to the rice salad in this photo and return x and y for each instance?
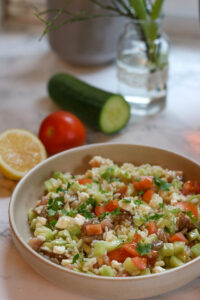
(117, 221)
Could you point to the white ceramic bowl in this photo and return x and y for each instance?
(31, 187)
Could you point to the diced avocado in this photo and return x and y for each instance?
(130, 267)
(167, 250)
(175, 262)
(44, 232)
(74, 230)
(196, 250)
(178, 247)
(146, 272)
(193, 235)
(51, 185)
(31, 215)
(107, 271)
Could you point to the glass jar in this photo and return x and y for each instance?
(142, 66)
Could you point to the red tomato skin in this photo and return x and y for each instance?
(60, 131)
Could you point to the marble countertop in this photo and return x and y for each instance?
(25, 66)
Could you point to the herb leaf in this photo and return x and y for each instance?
(138, 201)
(70, 213)
(156, 217)
(126, 200)
(53, 222)
(103, 215)
(116, 212)
(75, 258)
(91, 201)
(161, 184)
(143, 249)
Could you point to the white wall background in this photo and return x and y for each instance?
(182, 18)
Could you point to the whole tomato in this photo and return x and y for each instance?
(60, 131)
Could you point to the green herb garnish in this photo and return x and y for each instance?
(161, 184)
(116, 212)
(60, 190)
(191, 216)
(138, 201)
(126, 200)
(162, 205)
(103, 215)
(53, 222)
(140, 193)
(75, 258)
(156, 217)
(137, 179)
(82, 210)
(91, 201)
(143, 249)
(70, 213)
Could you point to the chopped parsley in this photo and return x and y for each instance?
(191, 216)
(60, 190)
(156, 217)
(161, 184)
(82, 209)
(103, 215)
(54, 205)
(116, 212)
(69, 185)
(70, 213)
(91, 201)
(137, 179)
(75, 258)
(162, 205)
(138, 201)
(126, 200)
(53, 222)
(143, 249)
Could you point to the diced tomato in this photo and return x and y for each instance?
(119, 255)
(178, 237)
(131, 249)
(142, 183)
(94, 229)
(140, 262)
(100, 210)
(122, 191)
(152, 258)
(147, 196)
(85, 180)
(188, 188)
(112, 205)
(137, 237)
(187, 206)
(151, 227)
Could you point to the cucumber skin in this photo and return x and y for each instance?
(78, 97)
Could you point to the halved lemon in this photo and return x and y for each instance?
(20, 150)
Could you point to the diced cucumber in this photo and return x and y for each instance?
(59, 242)
(51, 185)
(138, 221)
(175, 262)
(130, 267)
(64, 234)
(31, 215)
(177, 184)
(77, 187)
(74, 230)
(102, 247)
(100, 109)
(196, 250)
(99, 197)
(44, 232)
(107, 271)
(178, 247)
(145, 272)
(193, 235)
(33, 223)
(167, 250)
(59, 175)
(47, 246)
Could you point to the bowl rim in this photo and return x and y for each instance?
(66, 270)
